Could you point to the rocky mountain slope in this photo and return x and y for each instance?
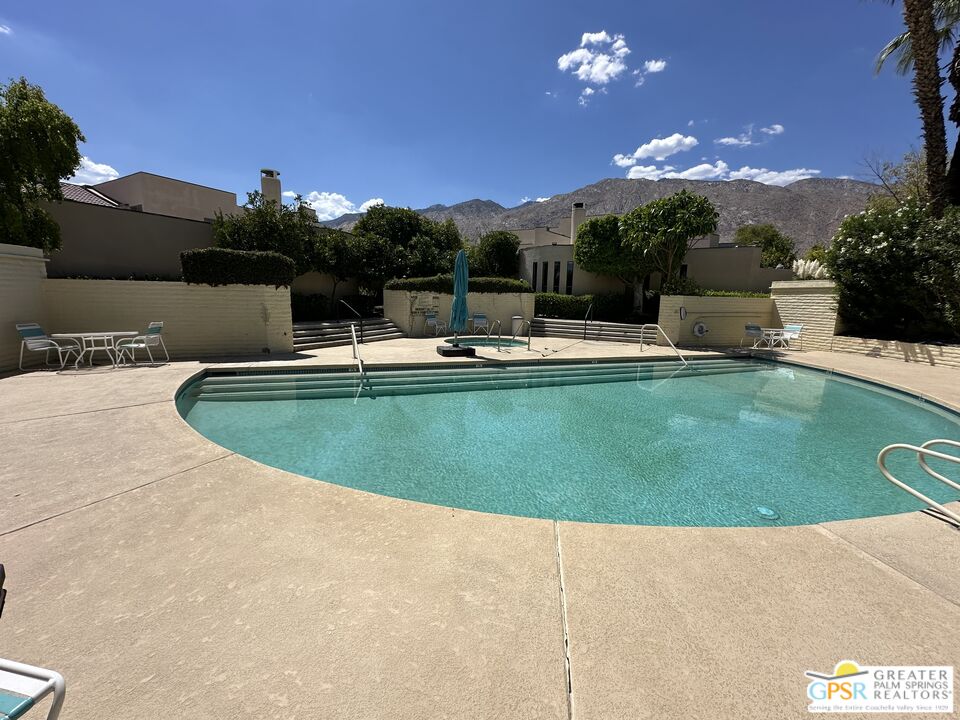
(809, 211)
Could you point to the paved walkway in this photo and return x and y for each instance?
(165, 575)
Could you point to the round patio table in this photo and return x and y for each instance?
(93, 341)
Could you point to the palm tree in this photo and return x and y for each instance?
(932, 27)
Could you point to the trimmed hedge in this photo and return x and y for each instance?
(220, 266)
(444, 284)
(566, 307)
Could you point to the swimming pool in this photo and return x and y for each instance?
(484, 341)
(724, 443)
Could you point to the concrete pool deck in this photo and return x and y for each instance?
(163, 574)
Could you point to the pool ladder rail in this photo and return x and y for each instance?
(923, 452)
(654, 326)
(356, 356)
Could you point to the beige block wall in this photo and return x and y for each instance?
(312, 283)
(398, 305)
(199, 320)
(946, 355)
(723, 316)
(22, 273)
(812, 303)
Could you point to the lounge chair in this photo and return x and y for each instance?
(23, 686)
(479, 323)
(792, 332)
(431, 320)
(33, 338)
(754, 331)
(152, 338)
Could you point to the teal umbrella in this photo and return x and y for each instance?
(458, 312)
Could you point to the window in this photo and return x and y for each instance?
(534, 283)
(683, 271)
(543, 280)
(569, 277)
(556, 276)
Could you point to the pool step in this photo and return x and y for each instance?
(401, 382)
(593, 330)
(315, 334)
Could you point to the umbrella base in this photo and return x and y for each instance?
(456, 351)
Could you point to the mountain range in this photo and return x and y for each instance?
(808, 211)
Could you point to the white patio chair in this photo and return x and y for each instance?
(152, 338)
(792, 332)
(23, 686)
(480, 323)
(752, 330)
(33, 338)
(431, 320)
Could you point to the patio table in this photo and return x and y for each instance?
(772, 336)
(93, 341)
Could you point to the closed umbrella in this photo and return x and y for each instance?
(458, 312)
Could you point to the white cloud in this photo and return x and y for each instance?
(329, 205)
(6, 30)
(690, 123)
(658, 149)
(91, 173)
(717, 171)
(648, 172)
(654, 66)
(772, 177)
(601, 62)
(544, 199)
(742, 140)
(775, 129)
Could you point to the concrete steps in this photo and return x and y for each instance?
(314, 334)
(593, 330)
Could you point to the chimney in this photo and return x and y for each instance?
(577, 216)
(270, 184)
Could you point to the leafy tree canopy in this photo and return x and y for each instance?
(496, 254)
(38, 148)
(663, 231)
(335, 253)
(776, 249)
(269, 226)
(599, 247)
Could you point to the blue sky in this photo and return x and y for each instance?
(441, 101)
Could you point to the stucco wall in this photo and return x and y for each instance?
(109, 242)
(158, 194)
(22, 273)
(731, 268)
(398, 305)
(812, 303)
(199, 320)
(320, 283)
(584, 283)
(723, 316)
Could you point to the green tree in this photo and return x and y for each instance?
(377, 262)
(267, 225)
(664, 230)
(38, 148)
(600, 248)
(496, 254)
(335, 254)
(776, 249)
(902, 180)
(816, 252)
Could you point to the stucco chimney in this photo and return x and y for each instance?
(270, 184)
(577, 215)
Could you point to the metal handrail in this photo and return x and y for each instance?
(660, 330)
(353, 310)
(499, 325)
(585, 318)
(923, 452)
(356, 350)
(520, 330)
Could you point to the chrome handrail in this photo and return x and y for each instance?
(499, 325)
(353, 310)
(923, 452)
(585, 318)
(660, 330)
(520, 330)
(356, 356)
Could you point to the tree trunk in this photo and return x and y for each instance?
(918, 15)
(953, 174)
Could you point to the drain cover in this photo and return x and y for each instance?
(767, 513)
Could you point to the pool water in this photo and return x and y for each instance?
(483, 341)
(732, 443)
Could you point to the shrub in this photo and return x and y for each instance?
(613, 307)
(444, 284)
(219, 266)
(308, 307)
(567, 307)
(495, 254)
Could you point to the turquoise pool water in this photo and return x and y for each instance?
(483, 341)
(731, 443)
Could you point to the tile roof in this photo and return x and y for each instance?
(81, 194)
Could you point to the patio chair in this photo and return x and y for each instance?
(752, 330)
(479, 322)
(152, 338)
(33, 338)
(431, 320)
(792, 332)
(23, 686)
